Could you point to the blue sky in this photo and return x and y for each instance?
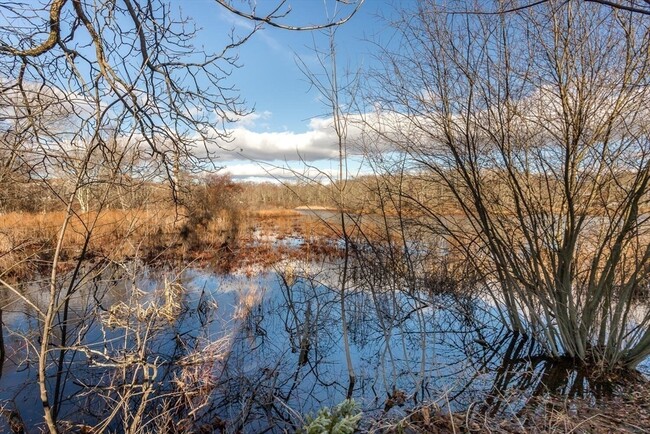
(288, 115)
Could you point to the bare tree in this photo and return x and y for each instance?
(636, 6)
(103, 90)
(326, 80)
(532, 123)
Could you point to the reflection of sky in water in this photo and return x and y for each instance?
(282, 345)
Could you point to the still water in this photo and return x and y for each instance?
(256, 350)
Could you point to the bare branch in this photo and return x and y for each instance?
(53, 37)
(271, 19)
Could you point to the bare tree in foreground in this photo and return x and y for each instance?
(636, 6)
(326, 80)
(534, 125)
(109, 93)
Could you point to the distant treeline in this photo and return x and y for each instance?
(379, 193)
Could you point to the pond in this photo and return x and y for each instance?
(256, 351)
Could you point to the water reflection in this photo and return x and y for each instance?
(255, 353)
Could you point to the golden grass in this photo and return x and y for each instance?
(27, 241)
(105, 227)
(275, 213)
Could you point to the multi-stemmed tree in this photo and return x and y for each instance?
(534, 125)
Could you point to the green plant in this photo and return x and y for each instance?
(342, 419)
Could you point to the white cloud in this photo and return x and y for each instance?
(318, 142)
(250, 120)
(278, 171)
(236, 21)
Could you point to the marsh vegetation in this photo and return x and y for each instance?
(490, 273)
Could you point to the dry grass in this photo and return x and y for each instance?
(27, 240)
(626, 412)
(287, 222)
(106, 226)
(229, 241)
(275, 213)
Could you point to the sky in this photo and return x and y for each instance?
(289, 126)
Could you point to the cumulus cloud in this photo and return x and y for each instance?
(251, 154)
(250, 120)
(318, 142)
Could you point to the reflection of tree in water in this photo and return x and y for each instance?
(287, 358)
(523, 373)
(284, 357)
(274, 371)
(411, 349)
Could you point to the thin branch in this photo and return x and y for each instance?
(271, 19)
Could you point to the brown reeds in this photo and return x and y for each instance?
(28, 239)
(229, 240)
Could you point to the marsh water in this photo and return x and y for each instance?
(265, 346)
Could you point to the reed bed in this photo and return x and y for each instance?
(228, 240)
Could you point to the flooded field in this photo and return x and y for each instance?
(258, 349)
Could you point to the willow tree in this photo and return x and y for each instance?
(533, 123)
